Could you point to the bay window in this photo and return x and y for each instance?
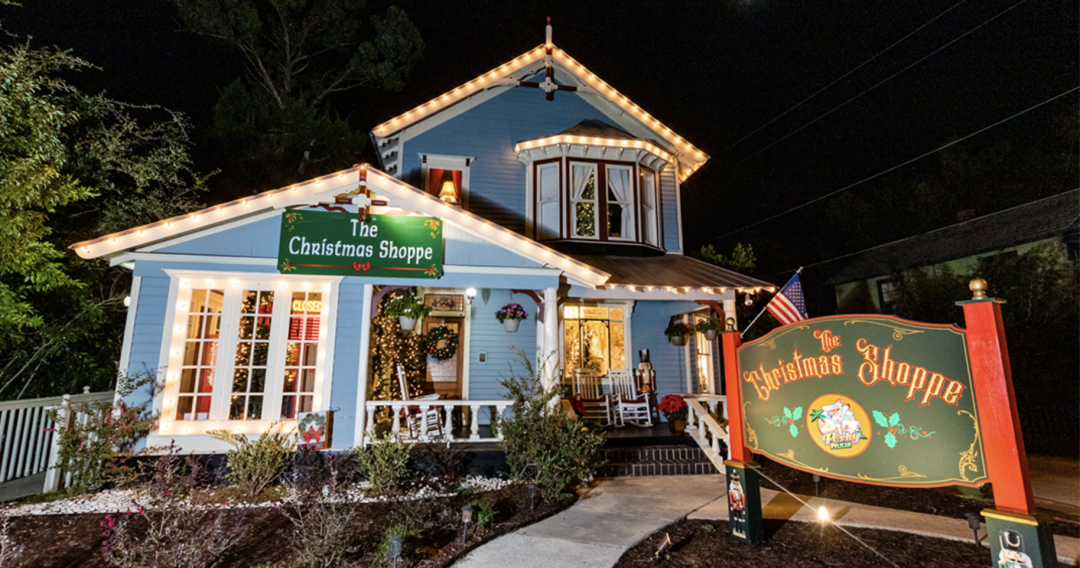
(548, 217)
(620, 203)
(583, 201)
(267, 333)
(649, 214)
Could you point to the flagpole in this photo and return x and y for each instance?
(763, 310)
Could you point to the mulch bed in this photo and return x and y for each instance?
(75, 540)
(798, 544)
(944, 502)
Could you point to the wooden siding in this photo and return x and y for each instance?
(649, 321)
(351, 314)
(464, 249)
(669, 204)
(486, 335)
(258, 239)
(150, 322)
(489, 132)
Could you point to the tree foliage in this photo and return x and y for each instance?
(742, 258)
(275, 125)
(73, 166)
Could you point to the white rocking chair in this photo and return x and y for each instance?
(631, 407)
(416, 418)
(587, 389)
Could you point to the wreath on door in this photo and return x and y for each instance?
(444, 334)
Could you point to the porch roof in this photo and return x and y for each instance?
(670, 270)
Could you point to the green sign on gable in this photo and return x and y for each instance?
(394, 246)
(873, 399)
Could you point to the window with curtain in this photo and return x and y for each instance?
(200, 354)
(620, 203)
(649, 211)
(548, 218)
(583, 200)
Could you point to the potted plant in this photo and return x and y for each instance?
(674, 409)
(408, 309)
(510, 316)
(677, 333)
(710, 327)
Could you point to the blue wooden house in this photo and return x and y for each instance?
(551, 190)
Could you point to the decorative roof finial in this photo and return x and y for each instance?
(547, 43)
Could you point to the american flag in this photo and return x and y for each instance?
(788, 305)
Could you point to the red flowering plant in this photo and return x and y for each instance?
(511, 312)
(673, 406)
(576, 404)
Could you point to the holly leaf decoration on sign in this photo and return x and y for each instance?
(794, 430)
(890, 440)
(880, 419)
(787, 413)
(797, 413)
(894, 419)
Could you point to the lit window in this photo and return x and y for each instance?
(301, 353)
(200, 355)
(583, 200)
(593, 338)
(252, 355)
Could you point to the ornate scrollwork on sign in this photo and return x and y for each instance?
(771, 343)
(967, 458)
(751, 435)
(898, 332)
(904, 474)
(790, 456)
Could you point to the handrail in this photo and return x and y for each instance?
(446, 407)
(706, 430)
(57, 400)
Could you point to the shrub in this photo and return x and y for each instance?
(385, 461)
(95, 450)
(483, 512)
(677, 329)
(409, 537)
(182, 529)
(407, 306)
(320, 506)
(542, 443)
(254, 463)
(511, 312)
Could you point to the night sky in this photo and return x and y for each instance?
(714, 71)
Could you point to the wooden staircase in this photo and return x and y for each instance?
(655, 460)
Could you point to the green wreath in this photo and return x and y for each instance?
(442, 333)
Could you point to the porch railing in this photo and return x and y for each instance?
(470, 421)
(706, 430)
(26, 437)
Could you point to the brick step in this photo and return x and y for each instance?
(653, 453)
(650, 468)
(655, 460)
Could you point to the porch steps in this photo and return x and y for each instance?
(644, 461)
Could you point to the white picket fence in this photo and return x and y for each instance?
(26, 442)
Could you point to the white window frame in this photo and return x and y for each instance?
(630, 231)
(443, 162)
(649, 213)
(573, 234)
(628, 344)
(539, 217)
(182, 282)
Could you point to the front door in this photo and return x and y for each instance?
(444, 377)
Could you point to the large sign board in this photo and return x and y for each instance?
(393, 246)
(873, 399)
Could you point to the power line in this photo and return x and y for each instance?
(886, 80)
(841, 78)
(898, 166)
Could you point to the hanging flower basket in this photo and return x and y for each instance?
(407, 309)
(677, 333)
(510, 316)
(447, 337)
(710, 328)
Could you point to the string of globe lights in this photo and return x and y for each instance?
(689, 289)
(495, 77)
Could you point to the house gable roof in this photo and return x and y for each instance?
(388, 136)
(323, 190)
(1019, 225)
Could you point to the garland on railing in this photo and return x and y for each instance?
(449, 349)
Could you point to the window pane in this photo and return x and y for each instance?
(572, 352)
(585, 220)
(252, 354)
(549, 182)
(593, 312)
(247, 305)
(305, 403)
(258, 380)
(236, 408)
(187, 380)
(261, 352)
(288, 406)
(618, 346)
(194, 328)
(183, 409)
(289, 384)
(570, 312)
(594, 345)
(191, 352)
(254, 410)
(616, 313)
(247, 327)
(549, 220)
(240, 377)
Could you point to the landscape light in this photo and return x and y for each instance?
(532, 497)
(822, 514)
(466, 516)
(395, 548)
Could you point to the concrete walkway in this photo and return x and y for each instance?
(618, 513)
